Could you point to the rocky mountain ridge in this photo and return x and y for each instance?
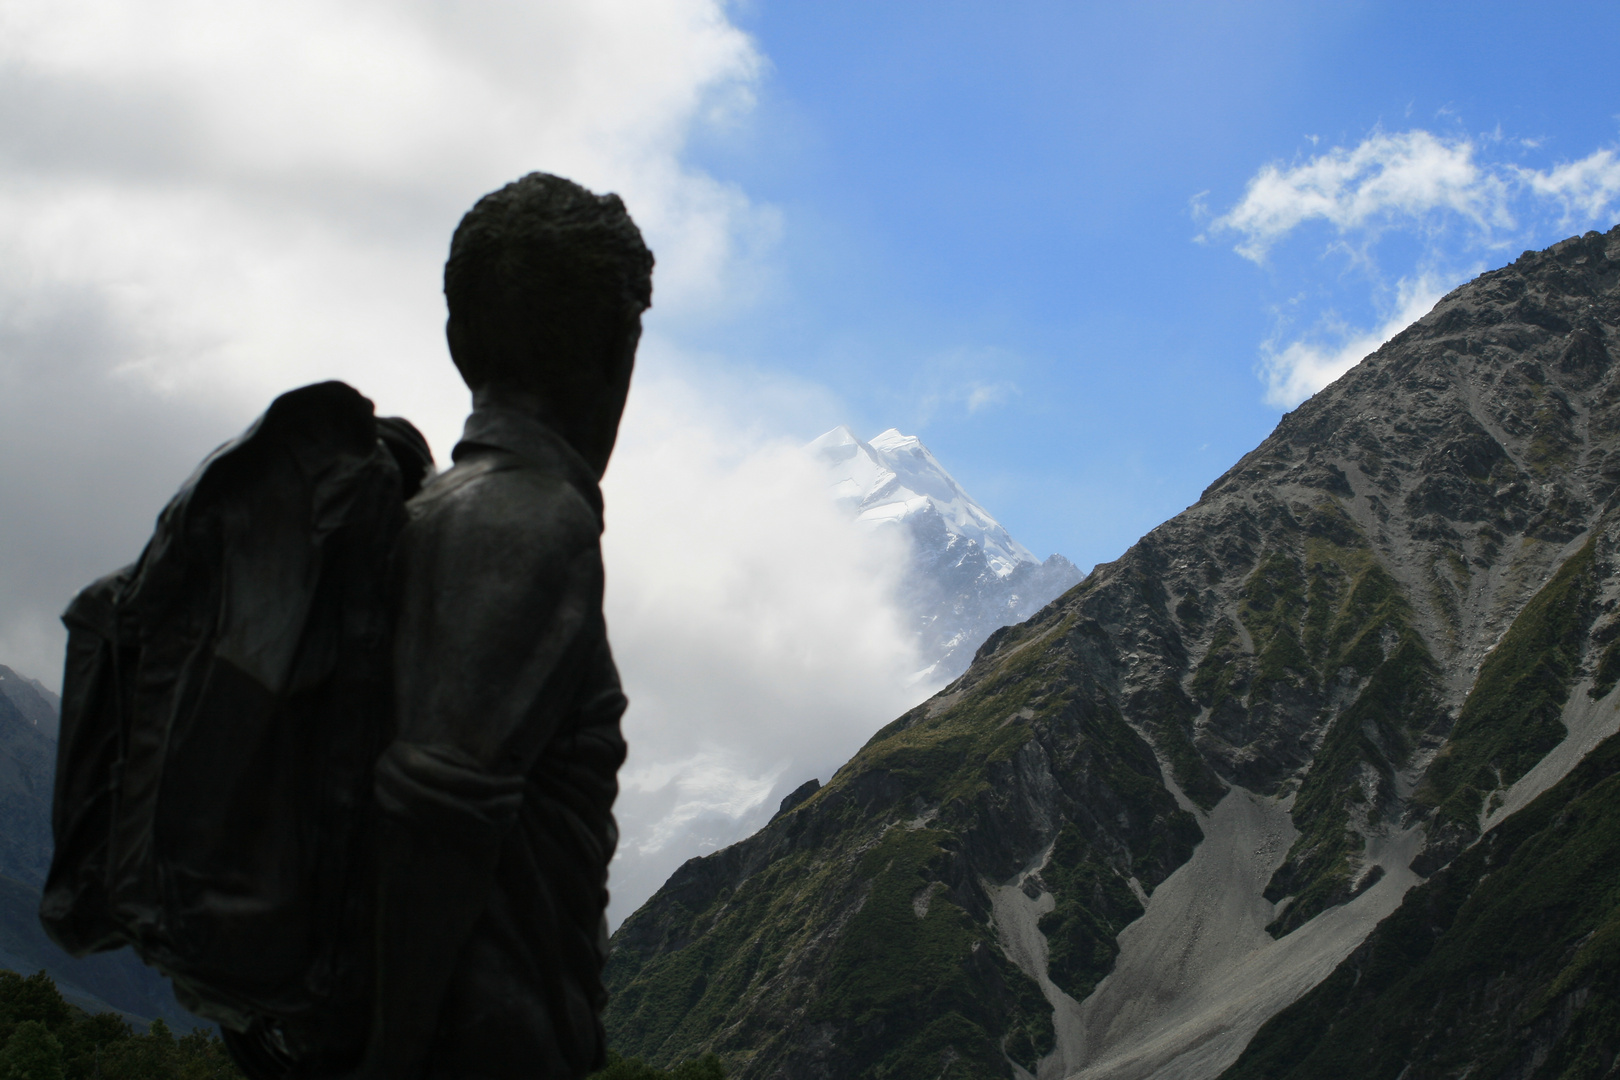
(1153, 816)
(967, 576)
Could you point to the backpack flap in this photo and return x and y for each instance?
(237, 854)
(74, 907)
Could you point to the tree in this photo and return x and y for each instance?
(152, 1056)
(84, 1038)
(32, 998)
(42, 1037)
(32, 1053)
(203, 1057)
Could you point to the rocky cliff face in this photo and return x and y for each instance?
(1157, 813)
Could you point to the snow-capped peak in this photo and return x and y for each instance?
(893, 479)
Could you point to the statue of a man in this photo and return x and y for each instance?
(496, 796)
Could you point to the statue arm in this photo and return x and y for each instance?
(498, 598)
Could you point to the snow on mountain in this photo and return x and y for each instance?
(968, 576)
(894, 478)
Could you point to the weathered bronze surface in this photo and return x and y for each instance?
(496, 796)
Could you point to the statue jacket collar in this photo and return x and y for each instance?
(524, 436)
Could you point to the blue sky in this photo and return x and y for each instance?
(1000, 197)
(1087, 252)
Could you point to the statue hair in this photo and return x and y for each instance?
(544, 277)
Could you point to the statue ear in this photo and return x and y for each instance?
(463, 353)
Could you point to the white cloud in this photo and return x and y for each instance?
(1411, 176)
(265, 192)
(987, 395)
(1406, 174)
(203, 204)
(756, 628)
(965, 380)
(1301, 368)
(698, 803)
(1411, 182)
(1586, 189)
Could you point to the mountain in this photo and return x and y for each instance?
(115, 981)
(1155, 815)
(967, 577)
(27, 776)
(30, 699)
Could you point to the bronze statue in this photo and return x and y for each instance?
(343, 767)
(496, 796)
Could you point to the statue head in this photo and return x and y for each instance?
(546, 283)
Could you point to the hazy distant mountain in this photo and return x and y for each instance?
(117, 980)
(968, 577)
(27, 775)
(1154, 816)
(32, 701)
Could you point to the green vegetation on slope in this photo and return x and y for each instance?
(1093, 904)
(42, 1037)
(940, 758)
(1037, 692)
(1512, 715)
(1608, 667)
(1553, 440)
(1360, 628)
(1326, 619)
(706, 1067)
(911, 979)
(1272, 608)
(899, 968)
(1506, 963)
(1168, 715)
(1212, 678)
(855, 928)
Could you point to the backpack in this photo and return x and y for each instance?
(223, 703)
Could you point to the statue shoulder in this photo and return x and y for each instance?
(500, 497)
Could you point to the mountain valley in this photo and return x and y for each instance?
(1320, 779)
(1145, 823)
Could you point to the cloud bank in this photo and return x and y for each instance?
(204, 204)
(1415, 184)
(757, 629)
